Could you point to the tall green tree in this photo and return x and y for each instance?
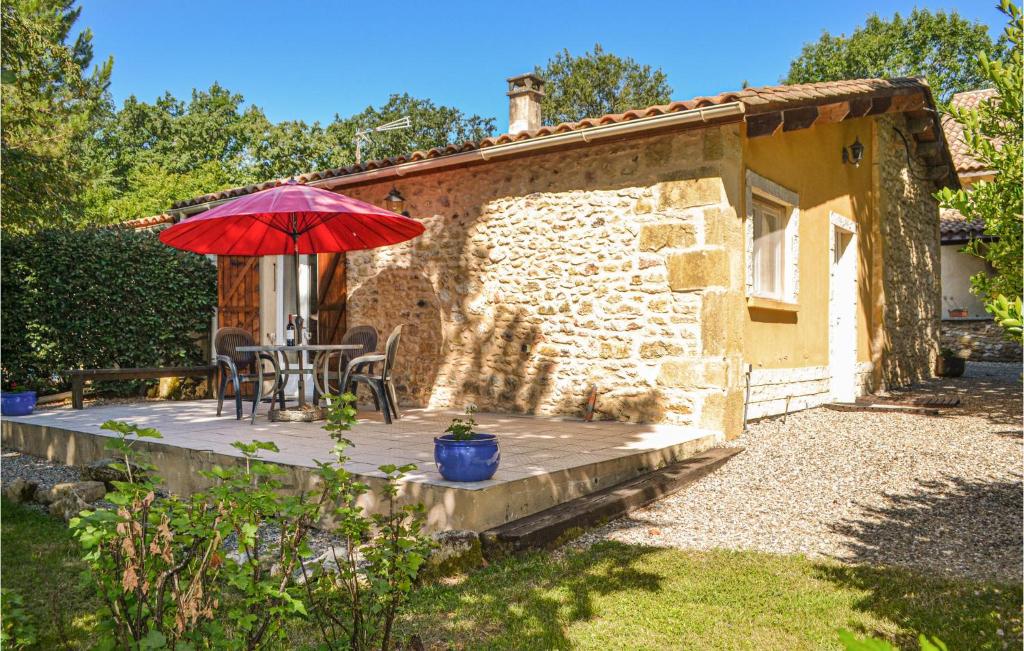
(432, 126)
(70, 158)
(939, 46)
(52, 104)
(596, 83)
(992, 132)
(153, 154)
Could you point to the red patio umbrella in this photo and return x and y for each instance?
(291, 219)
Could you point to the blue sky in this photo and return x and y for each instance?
(310, 60)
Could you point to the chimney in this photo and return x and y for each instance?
(524, 95)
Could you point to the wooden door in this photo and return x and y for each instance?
(330, 299)
(238, 293)
(238, 299)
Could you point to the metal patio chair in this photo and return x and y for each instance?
(365, 336)
(381, 386)
(242, 368)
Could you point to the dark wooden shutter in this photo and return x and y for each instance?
(331, 294)
(238, 300)
(238, 293)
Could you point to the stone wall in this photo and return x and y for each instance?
(909, 229)
(540, 277)
(979, 340)
(616, 266)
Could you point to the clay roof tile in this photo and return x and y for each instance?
(756, 100)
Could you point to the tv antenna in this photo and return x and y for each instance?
(363, 135)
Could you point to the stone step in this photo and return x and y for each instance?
(549, 526)
(933, 401)
(880, 408)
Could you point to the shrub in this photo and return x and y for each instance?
(1007, 313)
(156, 561)
(356, 603)
(97, 298)
(167, 579)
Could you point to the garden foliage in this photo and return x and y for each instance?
(170, 579)
(939, 46)
(18, 631)
(53, 101)
(100, 298)
(993, 133)
(598, 82)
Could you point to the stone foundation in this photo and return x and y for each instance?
(979, 340)
(781, 390)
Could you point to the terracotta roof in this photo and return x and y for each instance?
(962, 159)
(954, 228)
(756, 100)
(971, 98)
(147, 222)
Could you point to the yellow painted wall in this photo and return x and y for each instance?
(809, 163)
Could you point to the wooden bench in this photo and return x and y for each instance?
(80, 375)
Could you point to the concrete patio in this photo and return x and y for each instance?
(544, 461)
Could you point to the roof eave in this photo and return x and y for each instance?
(717, 114)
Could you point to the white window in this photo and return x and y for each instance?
(769, 250)
(772, 240)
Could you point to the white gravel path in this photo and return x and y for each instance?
(937, 493)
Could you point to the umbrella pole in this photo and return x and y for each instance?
(299, 321)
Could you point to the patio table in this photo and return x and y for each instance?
(321, 358)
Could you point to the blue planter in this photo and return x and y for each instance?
(474, 460)
(17, 404)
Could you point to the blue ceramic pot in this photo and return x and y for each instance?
(474, 460)
(17, 404)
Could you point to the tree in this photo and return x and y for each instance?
(992, 132)
(51, 106)
(432, 126)
(150, 189)
(939, 46)
(70, 158)
(153, 154)
(597, 83)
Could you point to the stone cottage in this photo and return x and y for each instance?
(723, 257)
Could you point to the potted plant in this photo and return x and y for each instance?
(950, 364)
(463, 454)
(958, 313)
(15, 400)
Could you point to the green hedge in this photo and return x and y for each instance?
(99, 298)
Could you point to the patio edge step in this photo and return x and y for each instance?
(882, 408)
(550, 525)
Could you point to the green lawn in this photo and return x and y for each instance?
(620, 596)
(610, 596)
(40, 561)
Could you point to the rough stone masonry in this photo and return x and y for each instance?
(617, 266)
(544, 276)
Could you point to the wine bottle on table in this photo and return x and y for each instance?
(290, 331)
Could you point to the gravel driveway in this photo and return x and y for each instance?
(941, 493)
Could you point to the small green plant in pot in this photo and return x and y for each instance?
(463, 454)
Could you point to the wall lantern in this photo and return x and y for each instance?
(396, 202)
(854, 154)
